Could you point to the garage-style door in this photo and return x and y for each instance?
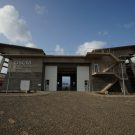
(51, 78)
(83, 78)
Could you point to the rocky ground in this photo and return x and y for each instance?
(67, 113)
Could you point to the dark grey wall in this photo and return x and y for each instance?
(24, 69)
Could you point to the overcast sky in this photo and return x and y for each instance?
(67, 26)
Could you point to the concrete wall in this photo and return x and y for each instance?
(82, 75)
(51, 75)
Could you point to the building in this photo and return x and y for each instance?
(100, 70)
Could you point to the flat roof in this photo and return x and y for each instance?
(3, 45)
(65, 56)
(23, 55)
(117, 47)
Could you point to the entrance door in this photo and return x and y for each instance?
(51, 78)
(66, 82)
(83, 78)
(66, 79)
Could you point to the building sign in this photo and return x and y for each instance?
(22, 65)
(23, 62)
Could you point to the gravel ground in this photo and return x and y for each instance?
(67, 113)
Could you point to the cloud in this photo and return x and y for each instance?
(13, 27)
(104, 33)
(30, 45)
(40, 9)
(89, 46)
(127, 25)
(59, 50)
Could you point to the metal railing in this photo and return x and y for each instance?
(118, 70)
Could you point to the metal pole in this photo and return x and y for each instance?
(89, 78)
(8, 77)
(123, 82)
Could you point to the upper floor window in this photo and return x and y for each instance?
(96, 67)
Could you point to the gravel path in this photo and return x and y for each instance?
(67, 113)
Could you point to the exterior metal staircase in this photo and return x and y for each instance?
(107, 87)
(3, 64)
(108, 68)
(113, 71)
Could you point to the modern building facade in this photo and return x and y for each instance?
(100, 70)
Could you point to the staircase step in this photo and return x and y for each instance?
(109, 85)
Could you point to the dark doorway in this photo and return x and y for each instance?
(66, 79)
(130, 83)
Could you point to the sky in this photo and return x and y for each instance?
(65, 27)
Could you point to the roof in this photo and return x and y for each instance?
(3, 45)
(118, 47)
(23, 55)
(65, 56)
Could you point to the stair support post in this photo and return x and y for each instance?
(8, 79)
(123, 81)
